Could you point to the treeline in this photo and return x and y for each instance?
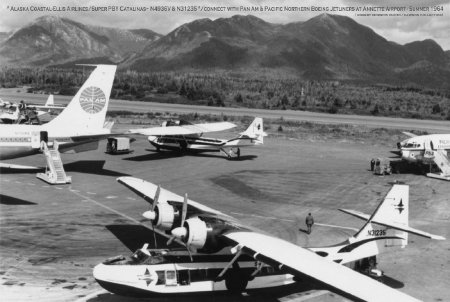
(255, 91)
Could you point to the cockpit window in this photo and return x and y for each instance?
(412, 145)
(139, 256)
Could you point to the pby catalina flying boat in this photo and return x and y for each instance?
(77, 128)
(184, 136)
(427, 149)
(11, 113)
(223, 254)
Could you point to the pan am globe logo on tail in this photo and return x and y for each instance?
(92, 99)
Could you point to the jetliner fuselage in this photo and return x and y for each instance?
(23, 140)
(415, 149)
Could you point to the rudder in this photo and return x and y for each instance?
(86, 111)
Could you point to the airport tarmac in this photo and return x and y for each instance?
(52, 236)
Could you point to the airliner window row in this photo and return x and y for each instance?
(15, 139)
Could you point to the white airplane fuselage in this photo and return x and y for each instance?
(196, 143)
(24, 140)
(415, 149)
(175, 273)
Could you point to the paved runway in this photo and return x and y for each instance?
(368, 121)
(52, 236)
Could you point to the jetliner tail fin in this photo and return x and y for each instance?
(50, 101)
(87, 110)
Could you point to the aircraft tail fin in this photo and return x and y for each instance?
(86, 111)
(386, 229)
(390, 221)
(50, 101)
(255, 131)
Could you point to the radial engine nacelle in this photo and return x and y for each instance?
(163, 216)
(200, 235)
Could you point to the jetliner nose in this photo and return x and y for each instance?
(179, 232)
(150, 215)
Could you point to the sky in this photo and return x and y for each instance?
(432, 24)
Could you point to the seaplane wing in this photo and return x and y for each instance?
(275, 251)
(184, 129)
(148, 190)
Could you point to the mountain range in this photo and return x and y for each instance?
(324, 47)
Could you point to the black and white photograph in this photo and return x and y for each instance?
(224, 150)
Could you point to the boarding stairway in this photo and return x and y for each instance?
(443, 163)
(54, 171)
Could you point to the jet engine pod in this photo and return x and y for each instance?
(165, 216)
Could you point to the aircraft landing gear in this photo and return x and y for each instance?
(236, 281)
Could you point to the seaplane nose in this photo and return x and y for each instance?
(100, 272)
(179, 232)
(150, 215)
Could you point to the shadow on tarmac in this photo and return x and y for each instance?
(288, 292)
(92, 167)
(12, 201)
(134, 236)
(155, 155)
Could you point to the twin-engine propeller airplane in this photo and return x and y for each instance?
(223, 254)
(79, 127)
(426, 150)
(184, 136)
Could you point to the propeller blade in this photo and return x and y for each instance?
(189, 252)
(154, 236)
(184, 209)
(156, 199)
(171, 239)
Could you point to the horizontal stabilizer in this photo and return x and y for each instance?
(409, 134)
(393, 225)
(356, 214)
(409, 230)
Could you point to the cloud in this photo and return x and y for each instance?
(400, 29)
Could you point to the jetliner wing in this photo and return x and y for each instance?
(275, 251)
(184, 129)
(147, 191)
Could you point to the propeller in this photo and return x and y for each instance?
(151, 214)
(181, 231)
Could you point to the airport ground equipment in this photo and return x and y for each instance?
(442, 162)
(54, 171)
(382, 167)
(119, 145)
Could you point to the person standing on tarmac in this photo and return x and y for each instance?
(309, 222)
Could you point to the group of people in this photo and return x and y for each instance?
(28, 114)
